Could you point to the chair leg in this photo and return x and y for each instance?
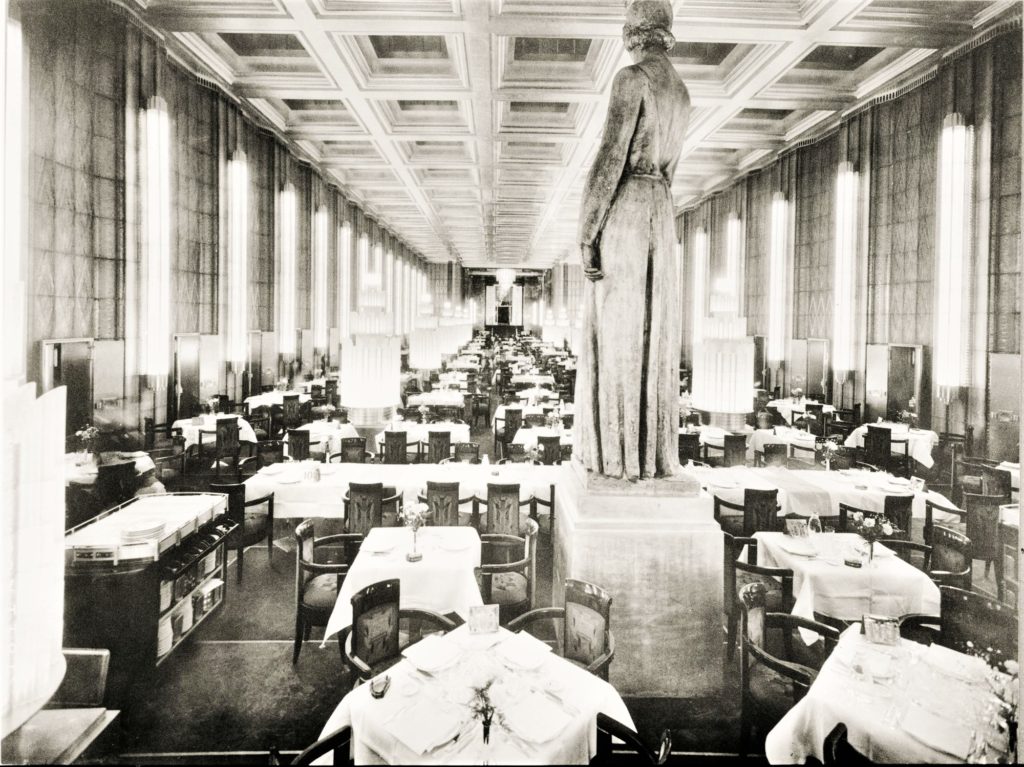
(270, 546)
(241, 555)
(731, 636)
(744, 732)
(298, 637)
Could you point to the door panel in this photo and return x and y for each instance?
(817, 370)
(797, 378)
(759, 362)
(1004, 407)
(255, 378)
(184, 395)
(876, 382)
(902, 379)
(71, 366)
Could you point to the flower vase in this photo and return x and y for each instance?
(828, 463)
(871, 552)
(414, 556)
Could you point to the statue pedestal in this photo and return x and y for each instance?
(655, 546)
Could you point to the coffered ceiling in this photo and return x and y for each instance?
(468, 126)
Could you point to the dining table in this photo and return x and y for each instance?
(810, 491)
(906, 703)
(919, 441)
(788, 407)
(465, 363)
(325, 436)
(271, 398)
(545, 706)
(536, 394)
(781, 435)
(565, 408)
(81, 468)
(536, 379)
(207, 424)
(438, 398)
(883, 584)
(420, 432)
(296, 495)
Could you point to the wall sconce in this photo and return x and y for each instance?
(286, 320)
(777, 279)
(156, 246)
(844, 276)
(238, 262)
(956, 203)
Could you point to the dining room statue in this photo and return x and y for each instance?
(627, 387)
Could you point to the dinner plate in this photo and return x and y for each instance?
(382, 547)
(289, 480)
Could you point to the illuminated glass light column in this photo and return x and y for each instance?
(775, 348)
(844, 290)
(236, 351)
(286, 288)
(953, 272)
(371, 361)
(723, 369)
(321, 222)
(155, 331)
(344, 276)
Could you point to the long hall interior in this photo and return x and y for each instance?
(510, 381)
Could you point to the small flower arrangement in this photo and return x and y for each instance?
(424, 411)
(87, 437)
(415, 515)
(212, 404)
(873, 528)
(797, 393)
(483, 708)
(829, 451)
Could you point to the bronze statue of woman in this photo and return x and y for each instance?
(627, 387)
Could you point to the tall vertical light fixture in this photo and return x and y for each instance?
(344, 275)
(286, 298)
(844, 289)
(776, 346)
(238, 259)
(700, 267)
(734, 259)
(320, 233)
(956, 201)
(156, 244)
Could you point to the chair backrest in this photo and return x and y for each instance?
(982, 523)
(968, 616)
(516, 452)
(878, 445)
(439, 446)
(298, 444)
(587, 621)
(760, 510)
(337, 743)
(608, 728)
(998, 482)
(395, 447)
(467, 452)
(550, 449)
(115, 482)
(735, 447)
(899, 510)
(365, 510)
(443, 502)
(513, 422)
(567, 420)
(227, 435)
(375, 621)
(236, 501)
(776, 454)
(305, 545)
(952, 558)
(502, 509)
(533, 420)
(1009, 553)
(689, 447)
(85, 678)
(290, 411)
(353, 450)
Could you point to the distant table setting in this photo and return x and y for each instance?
(420, 432)
(191, 427)
(537, 379)
(919, 441)
(438, 398)
(442, 581)
(326, 436)
(565, 408)
(905, 703)
(545, 707)
(529, 437)
(788, 407)
(784, 435)
(81, 468)
(271, 398)
(536, 394)
(465, 363)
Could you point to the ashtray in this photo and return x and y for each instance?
(853, 563)
(379, 685)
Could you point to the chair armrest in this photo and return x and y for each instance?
(895, 544)
(269, 497)
(727, 504)
(391, 498)
(775, 572)
(339, 538)
(541, 613)
(360, 666)
(927, 623)
(428, 615)
(826, 632)
(337, 568)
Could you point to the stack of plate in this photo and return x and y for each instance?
(139, 532)
(165, 638)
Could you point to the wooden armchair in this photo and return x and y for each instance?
(353, 450)
(467, 452)
(507, 575)
(734, 451)
(737, 574)
(583, 622)
(317, 583)
(226, 443)
(439, 446)
(609, 729)
(298, 444)
(364, 506)
(947, 560)
(760, 511)
(252, 528)
(443, 500)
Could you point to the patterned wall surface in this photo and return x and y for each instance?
(260, 153)
(302, 178)
(759, 191)
(194, 202)
(902, 221)
(75, 178)
(1005, 257)
(814, 244)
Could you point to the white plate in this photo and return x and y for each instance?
(376, 548)
(450, 545)
(289, 480)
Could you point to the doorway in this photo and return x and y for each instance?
(902, 380)
(183, 397)
(818, 380)
(68, 362)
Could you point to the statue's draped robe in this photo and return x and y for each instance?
(627, 387)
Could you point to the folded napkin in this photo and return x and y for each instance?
(426, 724)
(536, 718)
(524, 651)
(799, 546)
(431, 654)
(941, 734)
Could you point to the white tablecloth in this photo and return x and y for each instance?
(780, 435)
(886, 586)
(805, 492)
(270, 398)
(464, 363)
(297, 497)
(529, 437)
(536, 393)
(442, 581)
(499, 412)
(326, 436)
(539, 380)
(787, 407)
(438, 398)
(418, 432)
(552, 689)
(307, 386)
(190, 430)
(924, 699)
(919, 441)
(85, 473)
(453, 378)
